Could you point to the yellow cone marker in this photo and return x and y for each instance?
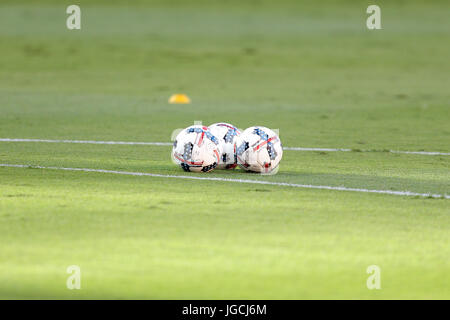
(179, 98)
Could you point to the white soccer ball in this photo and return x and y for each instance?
(196, 149)
(226, 133)
(259, 149)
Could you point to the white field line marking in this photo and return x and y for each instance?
(315, 149)
(428, 153)
(295, 185)
(88, 142)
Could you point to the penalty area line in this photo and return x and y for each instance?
(426, 153)
(247, 181)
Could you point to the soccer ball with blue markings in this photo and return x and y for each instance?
(227, 134)
(259, 149)
(196, 149)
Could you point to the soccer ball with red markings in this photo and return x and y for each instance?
(226, 133)
(196, 149)
(259, 149)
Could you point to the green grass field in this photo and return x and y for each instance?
(311, 70)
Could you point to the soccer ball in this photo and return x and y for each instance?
(259, 149)
(226, 133)
(196, 149)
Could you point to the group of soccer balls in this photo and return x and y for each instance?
(222, 146)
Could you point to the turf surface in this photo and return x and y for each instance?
(313, 71)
